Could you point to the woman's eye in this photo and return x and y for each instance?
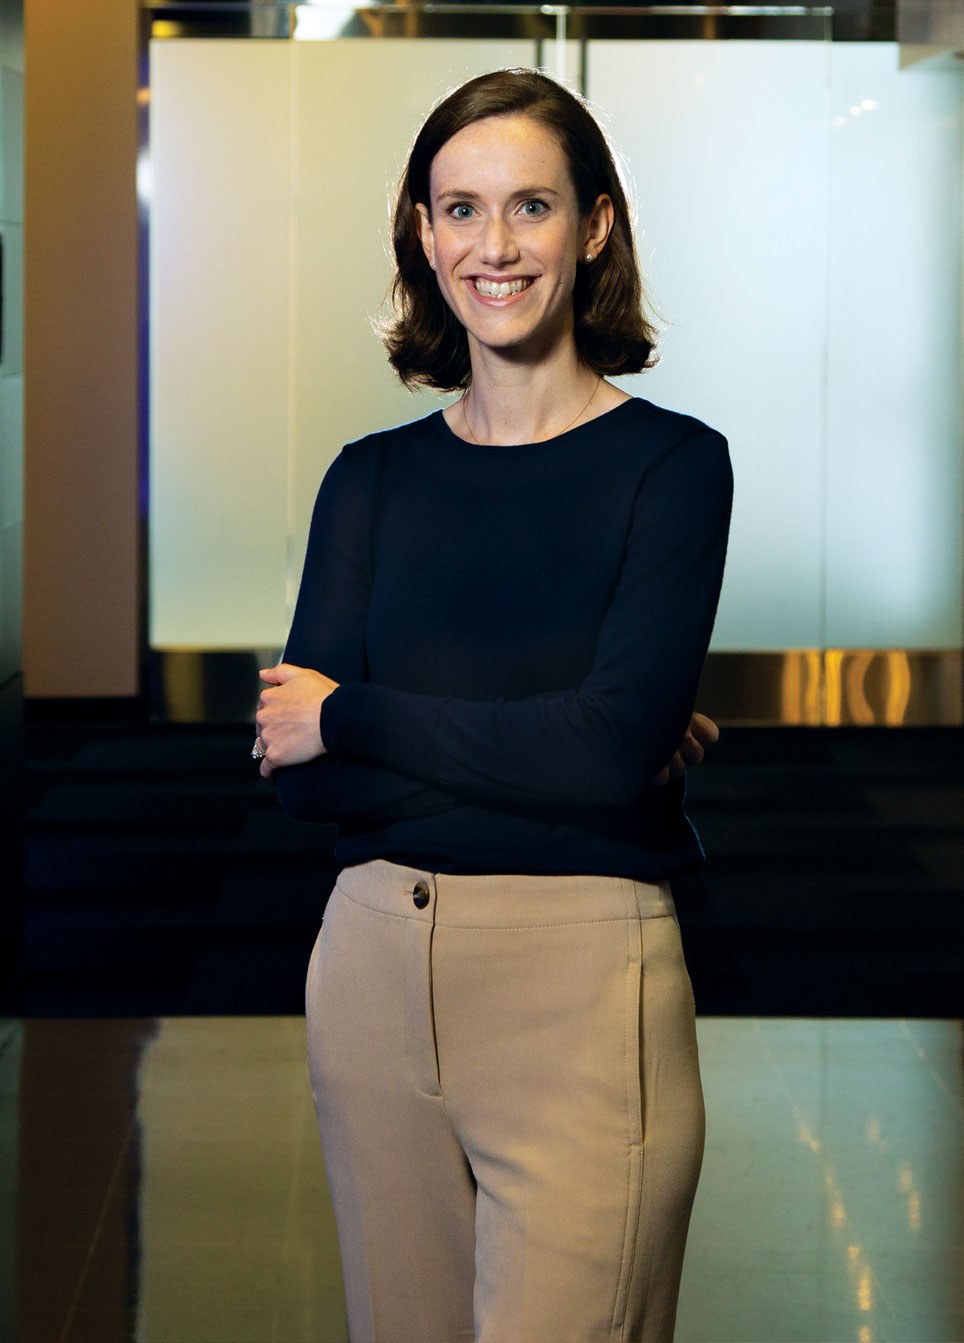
(534, 208)
(462, 212)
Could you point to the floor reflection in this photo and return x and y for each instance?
(161, 1182)
(830, 1203)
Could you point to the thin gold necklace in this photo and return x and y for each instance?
(592, 394)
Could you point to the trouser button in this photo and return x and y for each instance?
(421, 894)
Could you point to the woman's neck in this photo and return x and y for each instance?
(509, 403)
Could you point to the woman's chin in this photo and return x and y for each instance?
(519, 347)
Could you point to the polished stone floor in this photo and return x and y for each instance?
(161, 1181)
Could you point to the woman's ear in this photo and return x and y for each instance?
(598, 226)
(423, 222)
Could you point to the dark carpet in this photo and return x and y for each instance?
(161, 876)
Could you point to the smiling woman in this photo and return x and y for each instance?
(517, 114)
(505, 250)
(489, 686)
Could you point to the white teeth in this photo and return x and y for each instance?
(503, 289)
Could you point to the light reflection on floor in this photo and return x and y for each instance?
(171, 1188)
(830, 1203)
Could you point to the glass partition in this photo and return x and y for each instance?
(799, 228)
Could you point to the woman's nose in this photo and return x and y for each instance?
(498, 245)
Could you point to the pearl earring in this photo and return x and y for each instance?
(589, 257)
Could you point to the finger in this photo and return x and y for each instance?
(704, 728)
(266, 769)
(691, 750)
(676, 766)
(279, 674)
(265, 698)
(662, 778)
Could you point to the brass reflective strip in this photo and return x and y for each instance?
(805, 687)
(835, 687)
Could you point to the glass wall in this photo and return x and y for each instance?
(800, 229)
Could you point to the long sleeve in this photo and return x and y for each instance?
(328, 635)
(331, 789)
(600, 742)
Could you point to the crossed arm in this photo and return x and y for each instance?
(625, 726)
(289, 724)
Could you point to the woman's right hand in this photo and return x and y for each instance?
(701, 731)
(289, 716)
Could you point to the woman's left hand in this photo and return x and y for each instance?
(690, 750)
(289, 716)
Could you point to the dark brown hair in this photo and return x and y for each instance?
(425, 340)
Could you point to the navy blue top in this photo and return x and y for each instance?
(518, 633)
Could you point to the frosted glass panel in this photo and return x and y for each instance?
(800, 208)
(727, 144)
(894, 492)
(220, 220)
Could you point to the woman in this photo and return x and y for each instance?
(503, 615)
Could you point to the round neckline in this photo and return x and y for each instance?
(449, 432)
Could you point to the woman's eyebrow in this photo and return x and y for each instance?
(452, 193)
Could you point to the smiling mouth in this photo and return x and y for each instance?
(500, 288)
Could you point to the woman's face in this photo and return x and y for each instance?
(504, 234)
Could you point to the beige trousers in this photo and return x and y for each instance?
(507, 1086)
